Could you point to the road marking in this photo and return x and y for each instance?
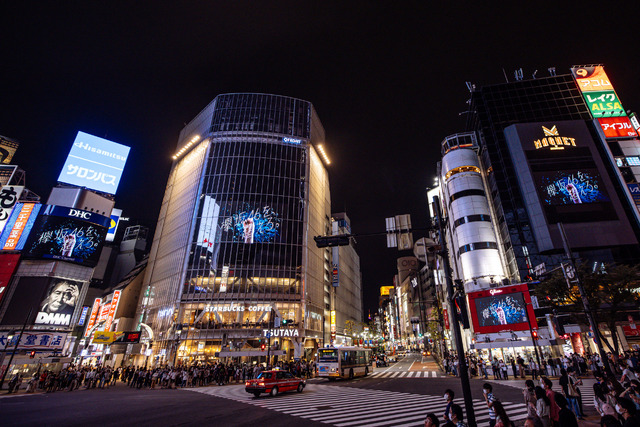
(352, 407)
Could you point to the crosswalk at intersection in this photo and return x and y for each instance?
(353, 407)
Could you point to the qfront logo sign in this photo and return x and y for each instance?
(553, 140)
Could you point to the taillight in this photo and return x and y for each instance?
(247, 384)
(261, 383)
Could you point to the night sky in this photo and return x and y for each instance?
(388, 83)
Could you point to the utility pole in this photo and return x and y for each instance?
(462, 363)
(13, 353)
(585, 304)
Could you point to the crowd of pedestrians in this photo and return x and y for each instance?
(617, 398)
(195, 375)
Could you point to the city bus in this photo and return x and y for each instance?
(344, 362)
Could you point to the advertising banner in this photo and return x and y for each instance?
(113, 224)
(59, 303)
(8, 265)
(94, 163)
(8, 148)
(384, 290)
(604, 104)
(95, 310)
(635, 192)
(83, 315)
(104, 337)
(112, 310)
(35, 340)
(502, 309)
(67, 234)
(9, 196)
(18, 226)
(617, 127)
(592, 79)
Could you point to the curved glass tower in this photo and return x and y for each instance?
(231, 255)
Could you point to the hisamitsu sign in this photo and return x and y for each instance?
(94, 163)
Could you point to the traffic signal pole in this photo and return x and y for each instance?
(462, 362)
(586, 305)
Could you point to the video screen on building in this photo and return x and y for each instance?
(67, 234)
(502, 309)
(571, 187)
(498, 310)
(253, 224)
(94, 163)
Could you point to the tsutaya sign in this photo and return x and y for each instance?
(554, 140)
(239, 307)
(280, 333)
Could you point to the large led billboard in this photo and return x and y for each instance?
(253, 224)
(67, 234)
(502, 309)
(94, 163)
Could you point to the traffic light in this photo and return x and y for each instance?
(461, 307)
(32, 354)
(263, 346)
(534, 334)
(284, 322)
(330, 241)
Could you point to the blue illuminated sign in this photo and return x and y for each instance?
(83, 316)
(95, 163)
(291, 140)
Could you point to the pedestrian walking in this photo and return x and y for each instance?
(490, 399)
(543, 407)
(566, 418)
(457, 416)
(448, 396)
(502, 419)
(529, 397)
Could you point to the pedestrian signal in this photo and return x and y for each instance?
(32, 354)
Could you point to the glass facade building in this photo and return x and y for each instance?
(231, 255)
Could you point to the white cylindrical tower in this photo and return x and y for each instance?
(472, 233)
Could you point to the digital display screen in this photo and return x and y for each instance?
(59, 234)
(571, 187)
(259, 224)
(95, 163)
(499, 310)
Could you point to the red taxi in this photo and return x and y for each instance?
(274, 382)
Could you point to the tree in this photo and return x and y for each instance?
(610, 291)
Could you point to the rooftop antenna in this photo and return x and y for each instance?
(505, 75)
(518, 74)
(470, 86)
(534, 74)
(552, 71)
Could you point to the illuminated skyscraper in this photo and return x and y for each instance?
(233, 253)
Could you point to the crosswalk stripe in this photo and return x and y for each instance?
(410, 374)
(395, 374)
(434, 374)
(351, 407)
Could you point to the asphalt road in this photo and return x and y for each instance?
(388, 397)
